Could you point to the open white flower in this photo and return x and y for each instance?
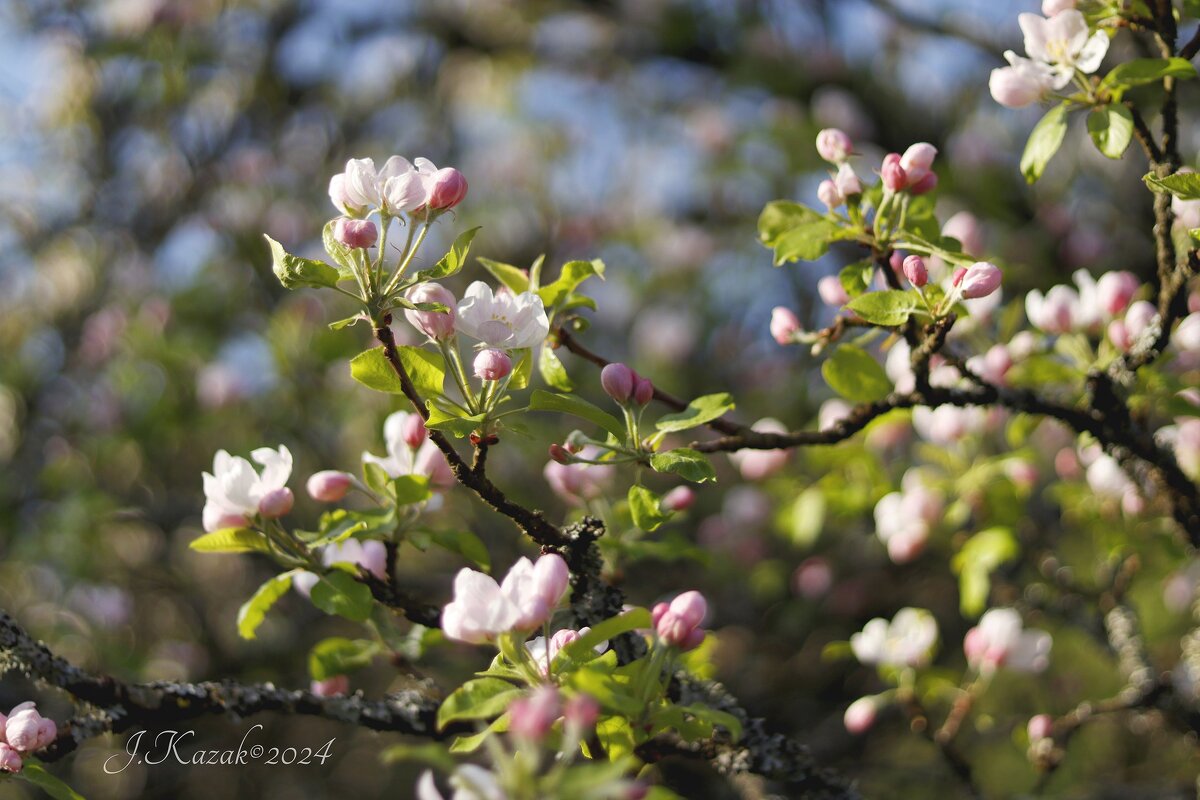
(483, 609)
(1063, 43)
(361, 187)
(403, 459)
(999, 640)
(502, 319)
(907, 641)
(234, 488)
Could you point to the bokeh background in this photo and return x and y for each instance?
(145, 147)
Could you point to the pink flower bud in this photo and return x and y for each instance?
(434, 324)
(678, 624)
(813, 579)
(834, 145)
(581, 712)
(449, 187)
(915, 271)
(492, 365)
(917, 162)
(643, 390)
(10, 759)
(47, 733)
(276, 503)
(531, 717)
(1040, 727)
(1138, 318)
(1118, 334)
(784, 325)
(860, 716)
(927, 184)
(1115, 290)
(617, 380)
(893, 175)
(559, 453)
(1023, 473)
(355, 232)
(980, 280)
(413, 431)
(550, 579)
(329, 486)
(832, 292)
(680, 498)
(334, 686)
(1066, 464)
(22, 727)
(847, 181)
(828, 194)
(904, 546)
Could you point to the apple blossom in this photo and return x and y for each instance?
(907, 641)
(334, 686)
(917, 162)
(234, 489)
(784, 325)
(893, 174)
(965, 228)
(945, 425)
(832, 412)
(10, 759)
(1063, 43)
(1041, 725)
(677, 624)
(403, 459)
(834, 145)
(483, 609)
(1187, 335)
(993, 365)
(617, 381)
(1054, 312)
(1022, 83)
(276, 503)
(903, 519)
(915, 271)
(502, 319)
(357, 187)
(827, 193)
(643, 390)
(998, 640)
(832, 292)
(1187, 447)
(543, 651)
(813, 579)
(756, 465)
(680, 498)
(329, 486)
(25, 730)
(1115, 290)
(860, 715)
(531, 717)
(355, 233)
(370, 554)
(847, 182)
(437, 325)
(1137, 319)
(492, 365)
(413, 431)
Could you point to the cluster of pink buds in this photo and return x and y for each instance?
(835, 147)
(677, 624)
(23, 731)
(911, 172)
(533, 716)
(625, 386)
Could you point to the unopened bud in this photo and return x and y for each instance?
(680, 498)
(492, 365)
(448, 190)
(276, 503)
(329, 486)
(617, 380)
(915, 271)
(355, 233)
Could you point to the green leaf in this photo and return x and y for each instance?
(1044, 142)
(781, 216)
(452, 421)
(808, 517)
(512, 277)
(856, 375)
(426, 369)
(577, 407)
(806, 242)
(522, 368)
(645, 509)
(606, 689)
(699, 412)
(573, 273)
(979, 557)
(1111, 129)
(890, 307)
(37, 775)
(343, 257)
(338, 593)
(231, 540)
(553, 372)
(1042, 370)
(465, 544)
(411, 489)
(856, 278)
(1184, 185)
(481, 698)
(715, 717)
(430, 753)
(453, 261)
(338, 656)
(254, 611)
(582, 648)
(294, 271)
(1140, 71)
(469, 744)
(686, 463)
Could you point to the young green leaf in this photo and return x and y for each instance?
(889, 307)
(254, 611)
(1111, 129)
(294, 271)
(1184, 185)
(1140, 71)
(465, 544)
(426, 369)
(482, 698)
(644, 507)
(1044, 142)
(573, 274)
(856, 375)
(979, 557)
(231, 540)
(686, 463)
(577, 407)
(453, 261)
(411, 489)
(512, 277)
(699, 412)
(553, 372)
(338, 656)
(37, 775)
(338, 593)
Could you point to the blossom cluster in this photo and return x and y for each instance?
(23, 731)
